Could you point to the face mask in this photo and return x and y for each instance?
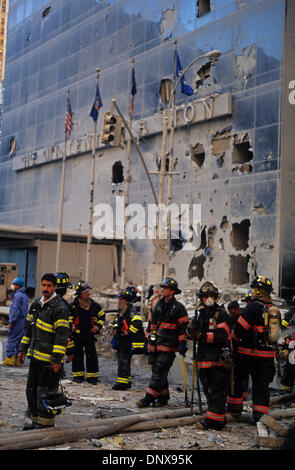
(209, 302)
(12, 287)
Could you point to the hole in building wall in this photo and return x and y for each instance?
(198, 155)
(117, 173)
(203, 239)
(240, 235)
(202, 74)
(196, 267)
(211, 235)
(224, 223)
(238, 273)
(203, 7)
(242, 150)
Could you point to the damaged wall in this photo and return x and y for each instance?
(230, 165)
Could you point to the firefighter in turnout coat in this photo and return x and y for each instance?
(87, 319)
(44, 342)
(256, 333)
(166, 335)
(211, 329)
(128, 339)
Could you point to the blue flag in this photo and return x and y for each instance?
(133, 92)
(96, 105)
(185, 87)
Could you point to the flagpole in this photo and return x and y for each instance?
(91, 199)
(61, 200)
(126, 195)
(171, 164)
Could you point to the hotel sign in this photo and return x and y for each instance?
(197, 111)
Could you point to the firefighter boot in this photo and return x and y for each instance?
(161, 402)
(147, 400)
(121, 386)
(9, 361)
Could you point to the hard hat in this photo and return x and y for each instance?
(81, 287)
(170, 283)
(125, 294)
(208, 289)
(262, 282)
(18, 281)
(62, 280)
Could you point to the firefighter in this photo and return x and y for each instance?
(128, 338)
(288, 378)
(62, 285)
(256, 332)
(166, 333)
(210, 327)
(87, 318)
(235, 311)
(44, 342)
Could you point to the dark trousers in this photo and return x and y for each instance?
(124, 355)
(84, 346)
(262, 373)
(161, 362)
(215, 384)
(288, 378)
(41, 382)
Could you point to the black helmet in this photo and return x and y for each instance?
(171, 284)
(262, 282)
(208, 288)
(125, 294)
(62, 280)
(81, 287)
(247, 297)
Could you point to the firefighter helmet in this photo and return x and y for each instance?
(81, 287)
(262, 282)
(62, 281)
(208, 289)
(170, 283)
(125, 294)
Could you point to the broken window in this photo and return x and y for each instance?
(117, 173)
(46, 12)
(203, 7)
(198, 154)
(238, 273)
(196, 267)
(242, 150)
(240, 235)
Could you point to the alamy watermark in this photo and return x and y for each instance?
(148, 222)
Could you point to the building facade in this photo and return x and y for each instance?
(232, 141)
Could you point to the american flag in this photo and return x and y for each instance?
(68, 120)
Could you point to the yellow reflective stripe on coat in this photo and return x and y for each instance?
(41, 356)
(29, 317)
(25, 340)
(44, 326)
(137, 345)
(133, 329)
(60, 323)
(58, 349)
(137, 317)
(101, 313)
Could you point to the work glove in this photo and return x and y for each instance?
(182, 349)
